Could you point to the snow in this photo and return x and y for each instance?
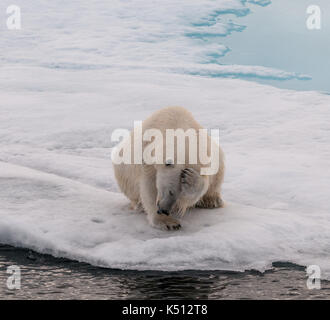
(65, 89)
(100, 34)
(63, 217)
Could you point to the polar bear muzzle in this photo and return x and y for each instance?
(168, 188)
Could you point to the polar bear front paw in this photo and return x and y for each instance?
(190, 180)
(210, 202)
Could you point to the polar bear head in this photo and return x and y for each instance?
(168, 183)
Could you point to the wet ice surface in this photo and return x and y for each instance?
(70, 219)
(44, 277)
(56, 178)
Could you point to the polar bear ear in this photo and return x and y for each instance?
(169, 162)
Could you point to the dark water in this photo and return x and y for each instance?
(45, 277)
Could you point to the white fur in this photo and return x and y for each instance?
(147, 185)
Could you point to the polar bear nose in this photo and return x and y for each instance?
(162, 211)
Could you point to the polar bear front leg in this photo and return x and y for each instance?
(195, 188)
(148, 194)
(193, 185)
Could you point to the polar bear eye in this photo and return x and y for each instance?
(171, 193)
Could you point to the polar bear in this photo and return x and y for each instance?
(167, 189)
